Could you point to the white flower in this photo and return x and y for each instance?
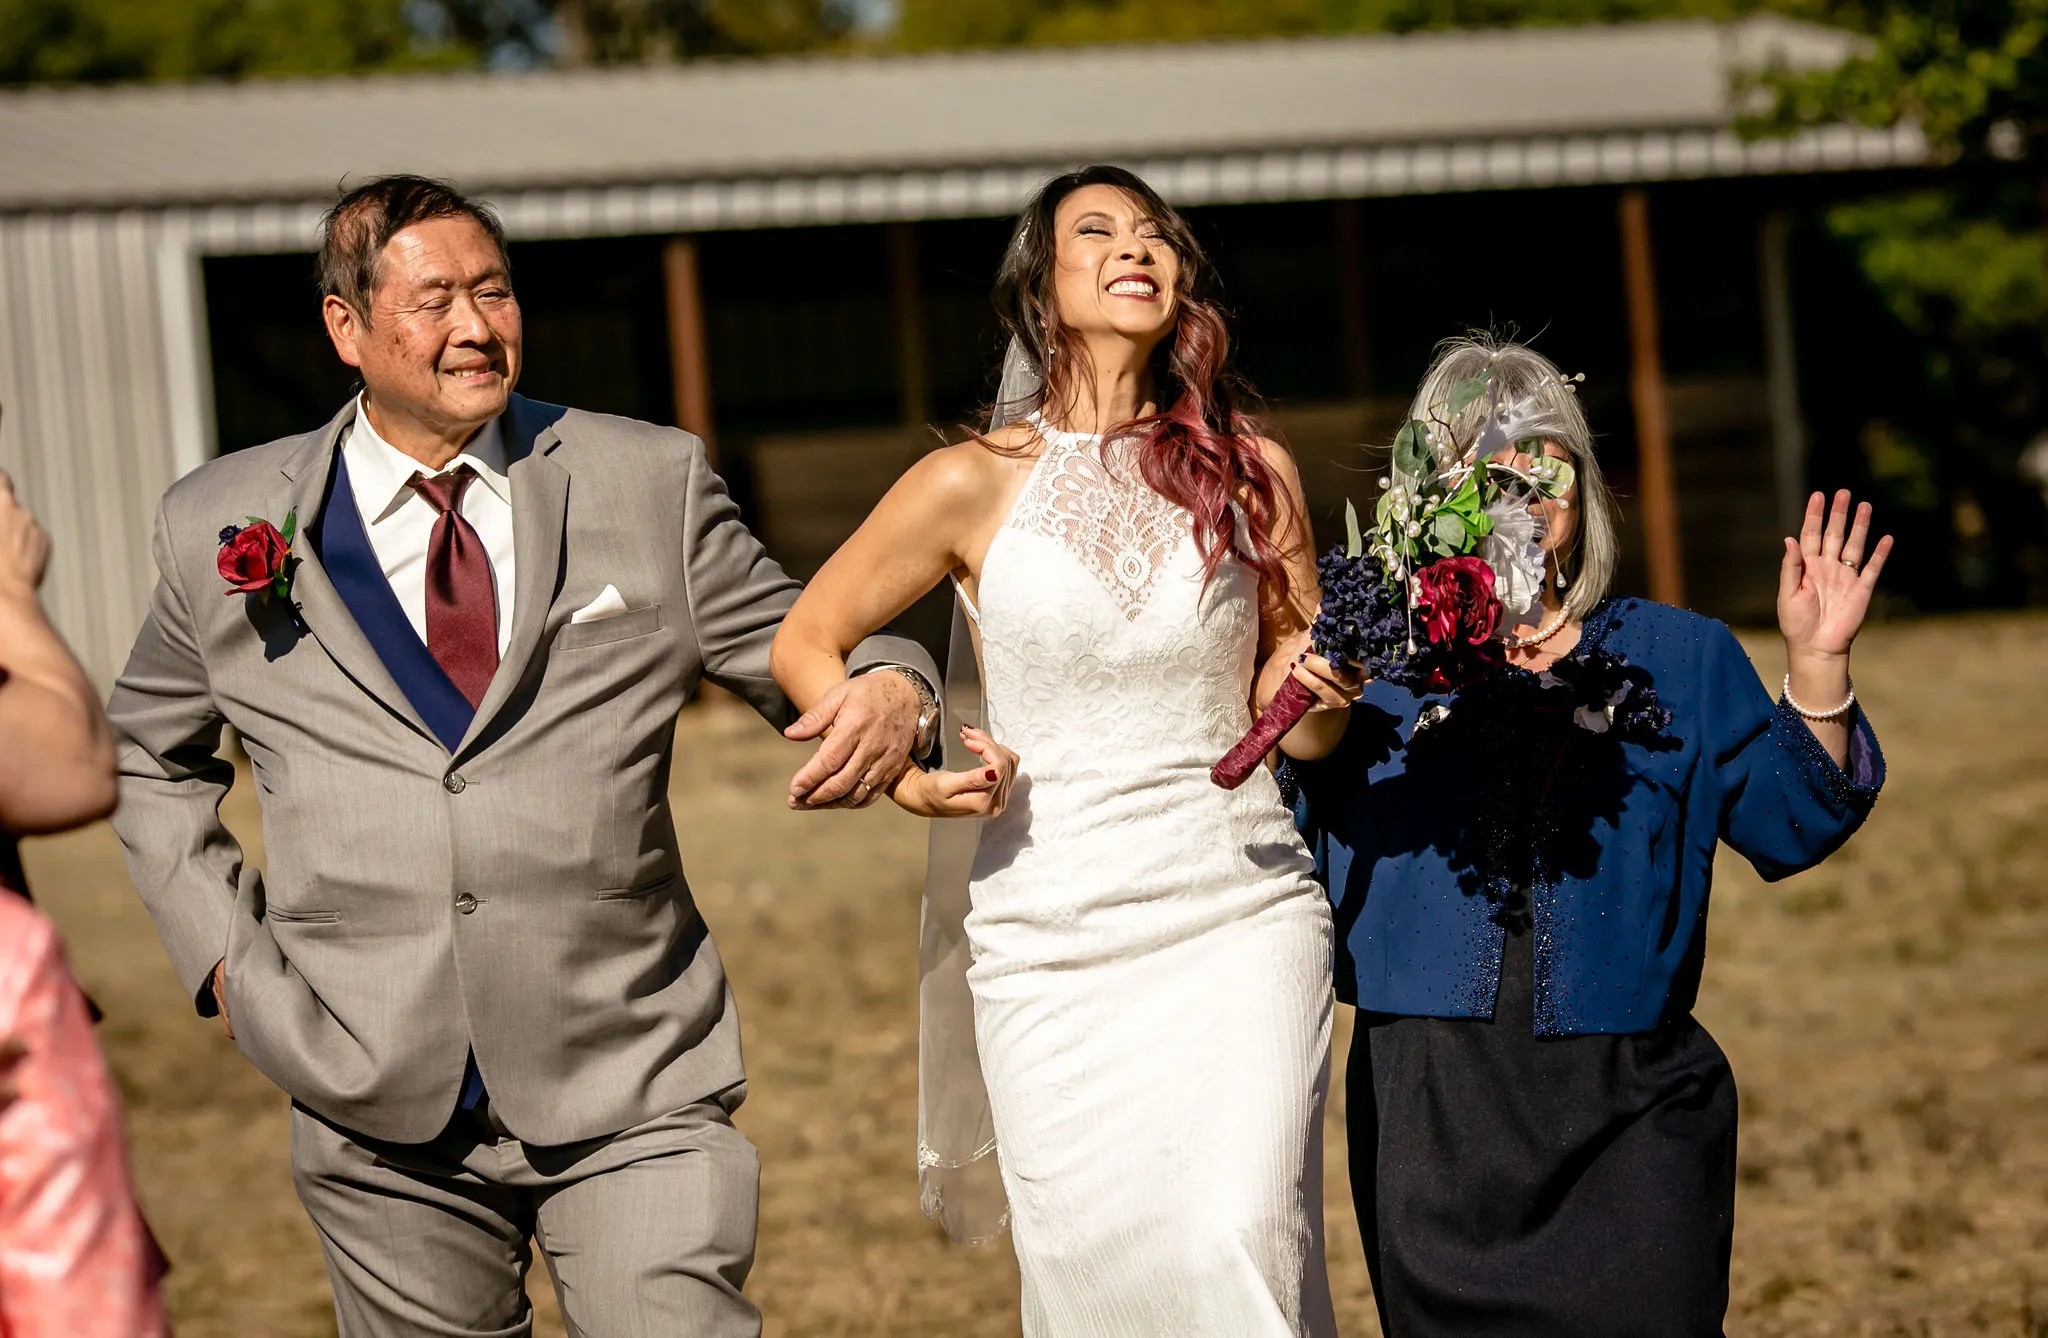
(1593, 721)
(1515, 552)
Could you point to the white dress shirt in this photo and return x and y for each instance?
(400, 521)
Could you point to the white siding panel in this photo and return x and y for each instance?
(88, 432)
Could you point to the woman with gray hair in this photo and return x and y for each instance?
(1542, 1137)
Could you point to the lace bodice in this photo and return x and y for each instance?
(1104, 647)
(1091, 497)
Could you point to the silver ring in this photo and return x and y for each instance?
(864, 788)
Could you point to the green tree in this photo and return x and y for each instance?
(615, 31)
(926, 24)
(97, 41)
(1962, 266)
(1972, 74)
(106, 41)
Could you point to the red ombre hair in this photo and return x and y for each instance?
(1201, 450)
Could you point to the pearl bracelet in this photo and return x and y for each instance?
(1805, 714)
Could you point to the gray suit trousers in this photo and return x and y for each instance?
(648, 1233)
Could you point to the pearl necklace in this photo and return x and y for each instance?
(1542, 634)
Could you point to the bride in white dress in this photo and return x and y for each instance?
(1150, 978)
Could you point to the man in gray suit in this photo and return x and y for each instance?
(455, 655)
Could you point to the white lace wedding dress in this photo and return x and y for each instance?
(1151, 957)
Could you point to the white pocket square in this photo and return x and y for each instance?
(608, 604)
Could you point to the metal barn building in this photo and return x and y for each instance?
(791, 257)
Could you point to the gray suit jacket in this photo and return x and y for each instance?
(522, 896)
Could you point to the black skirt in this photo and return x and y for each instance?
(1578, 1186)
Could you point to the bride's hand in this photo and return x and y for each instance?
(1335, 686)
(980, 792)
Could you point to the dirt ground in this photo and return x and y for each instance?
(1884, 1014)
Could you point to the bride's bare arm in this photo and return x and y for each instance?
(913, 539)
(1283, 626)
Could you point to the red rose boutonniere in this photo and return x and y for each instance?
(257, 559)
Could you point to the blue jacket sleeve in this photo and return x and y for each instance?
(1294, 778)
(1784, 804)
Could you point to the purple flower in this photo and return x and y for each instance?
(1363, 619)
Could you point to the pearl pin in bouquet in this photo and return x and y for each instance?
(1454, 557)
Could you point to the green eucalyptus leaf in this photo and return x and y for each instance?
(1411, 450)
(1449, 530)
(1465, 392)
(1554, 477)
(1354, 542)
(1468, 505)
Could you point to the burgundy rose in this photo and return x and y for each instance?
(252, 559)
(1459, 612)
(1455, 601)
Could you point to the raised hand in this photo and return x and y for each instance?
(1826, 580)
(980, 792)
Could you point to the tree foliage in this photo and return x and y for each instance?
(107, 41)
(614, 31)
(97, 41)
(927, 24)
(1962, 266)
(1972, 74)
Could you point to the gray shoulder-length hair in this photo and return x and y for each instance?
(1551, 410)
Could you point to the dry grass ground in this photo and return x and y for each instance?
(1885, 1016)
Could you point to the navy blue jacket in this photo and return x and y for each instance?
(1429, 845)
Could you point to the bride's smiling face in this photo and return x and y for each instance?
(1113, 272)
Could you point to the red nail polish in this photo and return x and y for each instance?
(991, 774)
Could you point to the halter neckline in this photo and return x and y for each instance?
(1049, 432)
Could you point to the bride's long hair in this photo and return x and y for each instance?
(1202, 448)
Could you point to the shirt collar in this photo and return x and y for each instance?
(379, 471)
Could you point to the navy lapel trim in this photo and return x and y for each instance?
(308, 472)
(540, 505)
(352, 567)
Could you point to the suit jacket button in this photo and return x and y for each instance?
(465, 903)
(453, 782)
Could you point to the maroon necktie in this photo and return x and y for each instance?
(462, 604)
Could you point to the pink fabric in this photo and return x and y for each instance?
(75, 1256)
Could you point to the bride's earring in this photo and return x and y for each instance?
(1557, 576)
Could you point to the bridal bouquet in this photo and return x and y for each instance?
(1452, 559)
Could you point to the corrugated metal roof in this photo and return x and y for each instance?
(789, 120)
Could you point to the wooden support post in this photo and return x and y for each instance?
(690, 377)
(906, 310)
(1349, 236)
(1781, 362)
(1654, 483)
(689, 364)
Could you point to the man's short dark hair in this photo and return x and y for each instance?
(354, 232)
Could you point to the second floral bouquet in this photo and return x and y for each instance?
(1453, 558)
